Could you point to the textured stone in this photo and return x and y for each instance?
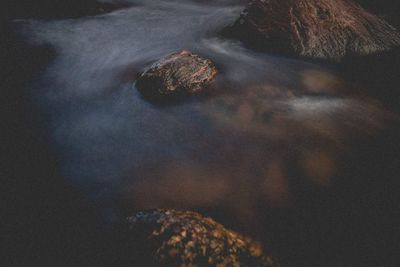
(179, 74)
(188, 239)
(314, 28)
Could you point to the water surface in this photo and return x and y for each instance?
(270, 126)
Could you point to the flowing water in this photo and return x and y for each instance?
(273, 133)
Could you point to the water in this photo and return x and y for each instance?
(273, 126)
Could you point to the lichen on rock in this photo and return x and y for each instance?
(184, 238)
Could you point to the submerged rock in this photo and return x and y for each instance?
(179, 74)
(314, 28)
(179, 238)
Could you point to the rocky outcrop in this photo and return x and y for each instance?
(179, 238)
(177, 75)
(314, 28)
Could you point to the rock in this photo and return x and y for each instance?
(179, 74)
(180, 238)
(314, 28)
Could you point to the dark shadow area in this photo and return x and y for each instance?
(57, 9)
(377, 75)
(276, 43)
(353, 223)
(46, 221)
(388, 9)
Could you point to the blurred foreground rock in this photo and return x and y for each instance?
(177, 238)
(179, 74)
(314, 28)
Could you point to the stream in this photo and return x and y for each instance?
(273, 134)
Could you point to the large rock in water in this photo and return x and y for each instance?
(314, 28)
(179, 74)
(177, 238)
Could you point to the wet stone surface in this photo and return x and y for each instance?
(184, 238)
(314, 29)
(178, 75)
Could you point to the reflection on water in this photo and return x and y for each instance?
(270, 120)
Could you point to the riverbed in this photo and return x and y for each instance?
(272, 135)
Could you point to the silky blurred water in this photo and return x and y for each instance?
(269, 120)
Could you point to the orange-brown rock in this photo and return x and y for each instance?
(184, 238)
(179, 74)
(314, 28)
